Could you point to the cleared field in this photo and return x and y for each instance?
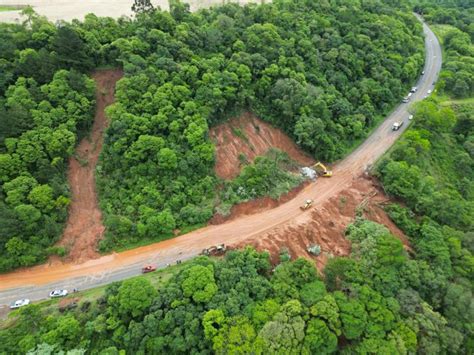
(68, 10)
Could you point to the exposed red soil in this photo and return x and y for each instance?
(326, 225)
(257, 138)
(84, 226)
(256, 206)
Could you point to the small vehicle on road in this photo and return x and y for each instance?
(413, 89)
(429, 92)
(410, 117)
(58, 293)
(148, 268)
(307, 204)
(396, 125)
(423, 72)
(19, 303)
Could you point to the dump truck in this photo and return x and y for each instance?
(396, 125)
(323, 170)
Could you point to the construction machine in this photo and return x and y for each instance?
(215, 250)
(324, 171)
(307, 204)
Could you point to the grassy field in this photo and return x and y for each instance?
(4, 8)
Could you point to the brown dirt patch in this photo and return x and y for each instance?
(326, 225)
(84, 226)
(257, 205)
(256, 138)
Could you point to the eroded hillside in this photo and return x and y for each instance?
(246, 137)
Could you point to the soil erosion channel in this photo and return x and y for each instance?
(36, 282)
(84, 226)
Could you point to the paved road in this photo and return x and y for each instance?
(35, 283)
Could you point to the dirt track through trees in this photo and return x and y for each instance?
(84, 226)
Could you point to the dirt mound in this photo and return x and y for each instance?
(325, 225)
(251, 137)
(84, 226)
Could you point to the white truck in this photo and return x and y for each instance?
(396, 125)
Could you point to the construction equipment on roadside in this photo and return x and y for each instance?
(314, 249)
(214, 250)
(324, 171)
(307, 204)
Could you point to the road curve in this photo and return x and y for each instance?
(36, 282)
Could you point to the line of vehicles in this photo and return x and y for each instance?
(24, 302)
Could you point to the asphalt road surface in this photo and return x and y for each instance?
(35, 283)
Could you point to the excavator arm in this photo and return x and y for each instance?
(325, 171)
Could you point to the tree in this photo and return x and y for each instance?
(319, 339)
(134, 297)
(142, 6)
(198, 283)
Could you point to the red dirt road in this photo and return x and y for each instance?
(84, 227)
(35, 282)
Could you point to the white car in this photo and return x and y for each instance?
(19, 303)
(410, 117)
(429, 92)
(58, 293)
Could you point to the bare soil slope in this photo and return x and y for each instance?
(326, 224)
(84, 227)
(252, 137)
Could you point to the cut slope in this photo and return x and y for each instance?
(252, 137)
(84, 227)
(326, 225)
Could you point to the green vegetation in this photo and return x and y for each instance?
(431, 169)
(268, 175)
(40, 126)
(374, 302)
(4, 8)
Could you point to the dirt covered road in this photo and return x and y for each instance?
(84, 226)
(35, 283)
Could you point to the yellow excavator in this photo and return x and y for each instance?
(324, 171)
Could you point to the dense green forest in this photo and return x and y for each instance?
(324, 72)
(46, 106)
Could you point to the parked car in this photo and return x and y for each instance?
(429, 92)
(410, 117)
(58, 293)
(413, 89)
(423, 72)
(19, 303)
